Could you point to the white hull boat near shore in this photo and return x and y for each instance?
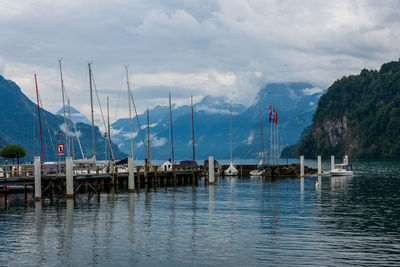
(342, 170)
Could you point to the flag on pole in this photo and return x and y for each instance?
(276, 116)
(273, 116)
(270, 113)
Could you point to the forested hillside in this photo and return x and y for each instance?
(358, 116)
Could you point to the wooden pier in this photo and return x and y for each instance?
(56, 184)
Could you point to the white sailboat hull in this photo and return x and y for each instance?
(231, 171)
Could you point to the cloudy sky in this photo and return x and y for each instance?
(222, 48)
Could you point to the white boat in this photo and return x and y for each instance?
(231, 171)
(342, 170)
(258, 172)
(166, 166)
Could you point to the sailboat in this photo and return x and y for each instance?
(231, 171)
(259, 171)
(92, 160)
(167, 165)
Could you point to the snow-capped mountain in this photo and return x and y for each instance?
(76, 116)
(296, 102)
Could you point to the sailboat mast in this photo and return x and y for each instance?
(172, 133)
(108, 125)
(148, 136)
(65, 118)
(193, 141)
(262, 139)
(40, 123)
(130, 110)
(230, 107)
(169, 131)
(70, 138)
(91, 107)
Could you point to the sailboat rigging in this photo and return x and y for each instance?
(231, 171)
(40, 123)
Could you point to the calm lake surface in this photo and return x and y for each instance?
(238, 221)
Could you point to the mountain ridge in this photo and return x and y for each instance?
(359, 116)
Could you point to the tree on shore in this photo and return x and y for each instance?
(13, 151)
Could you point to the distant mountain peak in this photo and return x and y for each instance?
(76, 116)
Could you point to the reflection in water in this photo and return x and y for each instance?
(40, 228)
(302, 189)
(211, 199)
(69, 221)
(238, 222)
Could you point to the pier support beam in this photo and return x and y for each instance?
(38, 180)
(211, 170)
(131, 177)
(332, 162)
(319, 165)
(69, 177)
(301, 166)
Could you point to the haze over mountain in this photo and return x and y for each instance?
(19, 125)
(296, 103)
(76, 116)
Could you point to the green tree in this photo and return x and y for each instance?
(13, 151)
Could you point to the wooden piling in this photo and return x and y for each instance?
(146, 171)
(319, 165)
(211, 170)
(301, 166)
(38, 179)
(131, 175)
(69, 177)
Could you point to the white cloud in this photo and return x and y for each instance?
(311, 91)
(249, 140)
(220, 48)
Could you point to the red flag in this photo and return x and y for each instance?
(276, 116)
(270, 113)
(273, 116)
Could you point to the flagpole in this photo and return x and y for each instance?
(277, 139)
(270, 123)
(273, 132)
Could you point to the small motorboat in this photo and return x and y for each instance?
(257, 172)
(342, 170)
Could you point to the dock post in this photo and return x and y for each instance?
(174, 174)
(146, 171)
(319, 166)
(332, 162)
(112, 169)
(211, 170)
(69, 177)
(38, 180)
(301, 166)
(131, 175)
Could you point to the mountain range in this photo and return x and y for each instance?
(19, 125)
(296, 103)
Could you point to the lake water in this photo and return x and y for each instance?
(238, 221)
